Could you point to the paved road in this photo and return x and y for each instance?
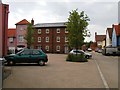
(61, 74)
(109, 68)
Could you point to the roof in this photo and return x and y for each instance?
(100, 37)
(39, 25)
(23, 22)
(117, 29)
(11, 32)
(110, 30)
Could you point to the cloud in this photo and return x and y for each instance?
(102, 13)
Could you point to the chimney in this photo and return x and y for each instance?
(95, 36)
(95, 33)
(32, 21)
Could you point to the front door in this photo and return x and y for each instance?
(66, 49)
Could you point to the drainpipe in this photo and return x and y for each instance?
(4, 35)
(52, 41)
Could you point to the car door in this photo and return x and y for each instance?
(24, 56)
(35, 56)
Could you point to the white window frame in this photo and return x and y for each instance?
(57, 39)
(39, 31)
(58, 48)
(39, 39)
(47, 48)
(11, 39)
(47, 31)
(58, 30)
(47, 39)
(39, 47)
(66, 39)
(66, 31)
(21, 38)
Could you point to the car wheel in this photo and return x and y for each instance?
(11, 62)
(87, 57)
(41, 63)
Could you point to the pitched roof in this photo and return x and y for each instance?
(23, 22)
(61, 24)
(11, 32)
(117, 29)
(110, 30)
(100, 37)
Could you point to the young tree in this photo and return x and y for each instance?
(77, 27)
(29, 36)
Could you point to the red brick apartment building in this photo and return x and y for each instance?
(51, 37)
(4, 10)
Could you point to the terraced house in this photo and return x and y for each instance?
(21, 28)
(51, 37)
(11, 42)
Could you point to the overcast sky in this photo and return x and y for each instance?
(102, 13)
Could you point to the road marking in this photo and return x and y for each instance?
(102, 77)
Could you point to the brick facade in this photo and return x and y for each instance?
(4, 10)
(52, 38)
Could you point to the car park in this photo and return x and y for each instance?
(87, 55)
(27, 56)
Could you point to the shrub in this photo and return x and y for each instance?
(76, 58)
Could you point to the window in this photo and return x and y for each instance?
(47, 48)
(39, 39)
(66, 31)
(26, 52)
(66, 39)
(58, 39)
(47, 39)
(11, 39)
(58, 48)
(47, 31)
(21, 38)
(35, 52)
(58, 30)
(39, 47)
(21, 28)
(39, 31)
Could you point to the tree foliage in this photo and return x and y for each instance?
(29, 36)
(77, 27)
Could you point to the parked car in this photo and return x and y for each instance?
(87, 55)
(27, 56)
(99, 51)
(96, 50)
(3, 61)
(89, 49)
(111, 51)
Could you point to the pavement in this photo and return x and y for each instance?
(61, 74)
(6, 72)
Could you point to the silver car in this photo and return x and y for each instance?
(87, 55)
